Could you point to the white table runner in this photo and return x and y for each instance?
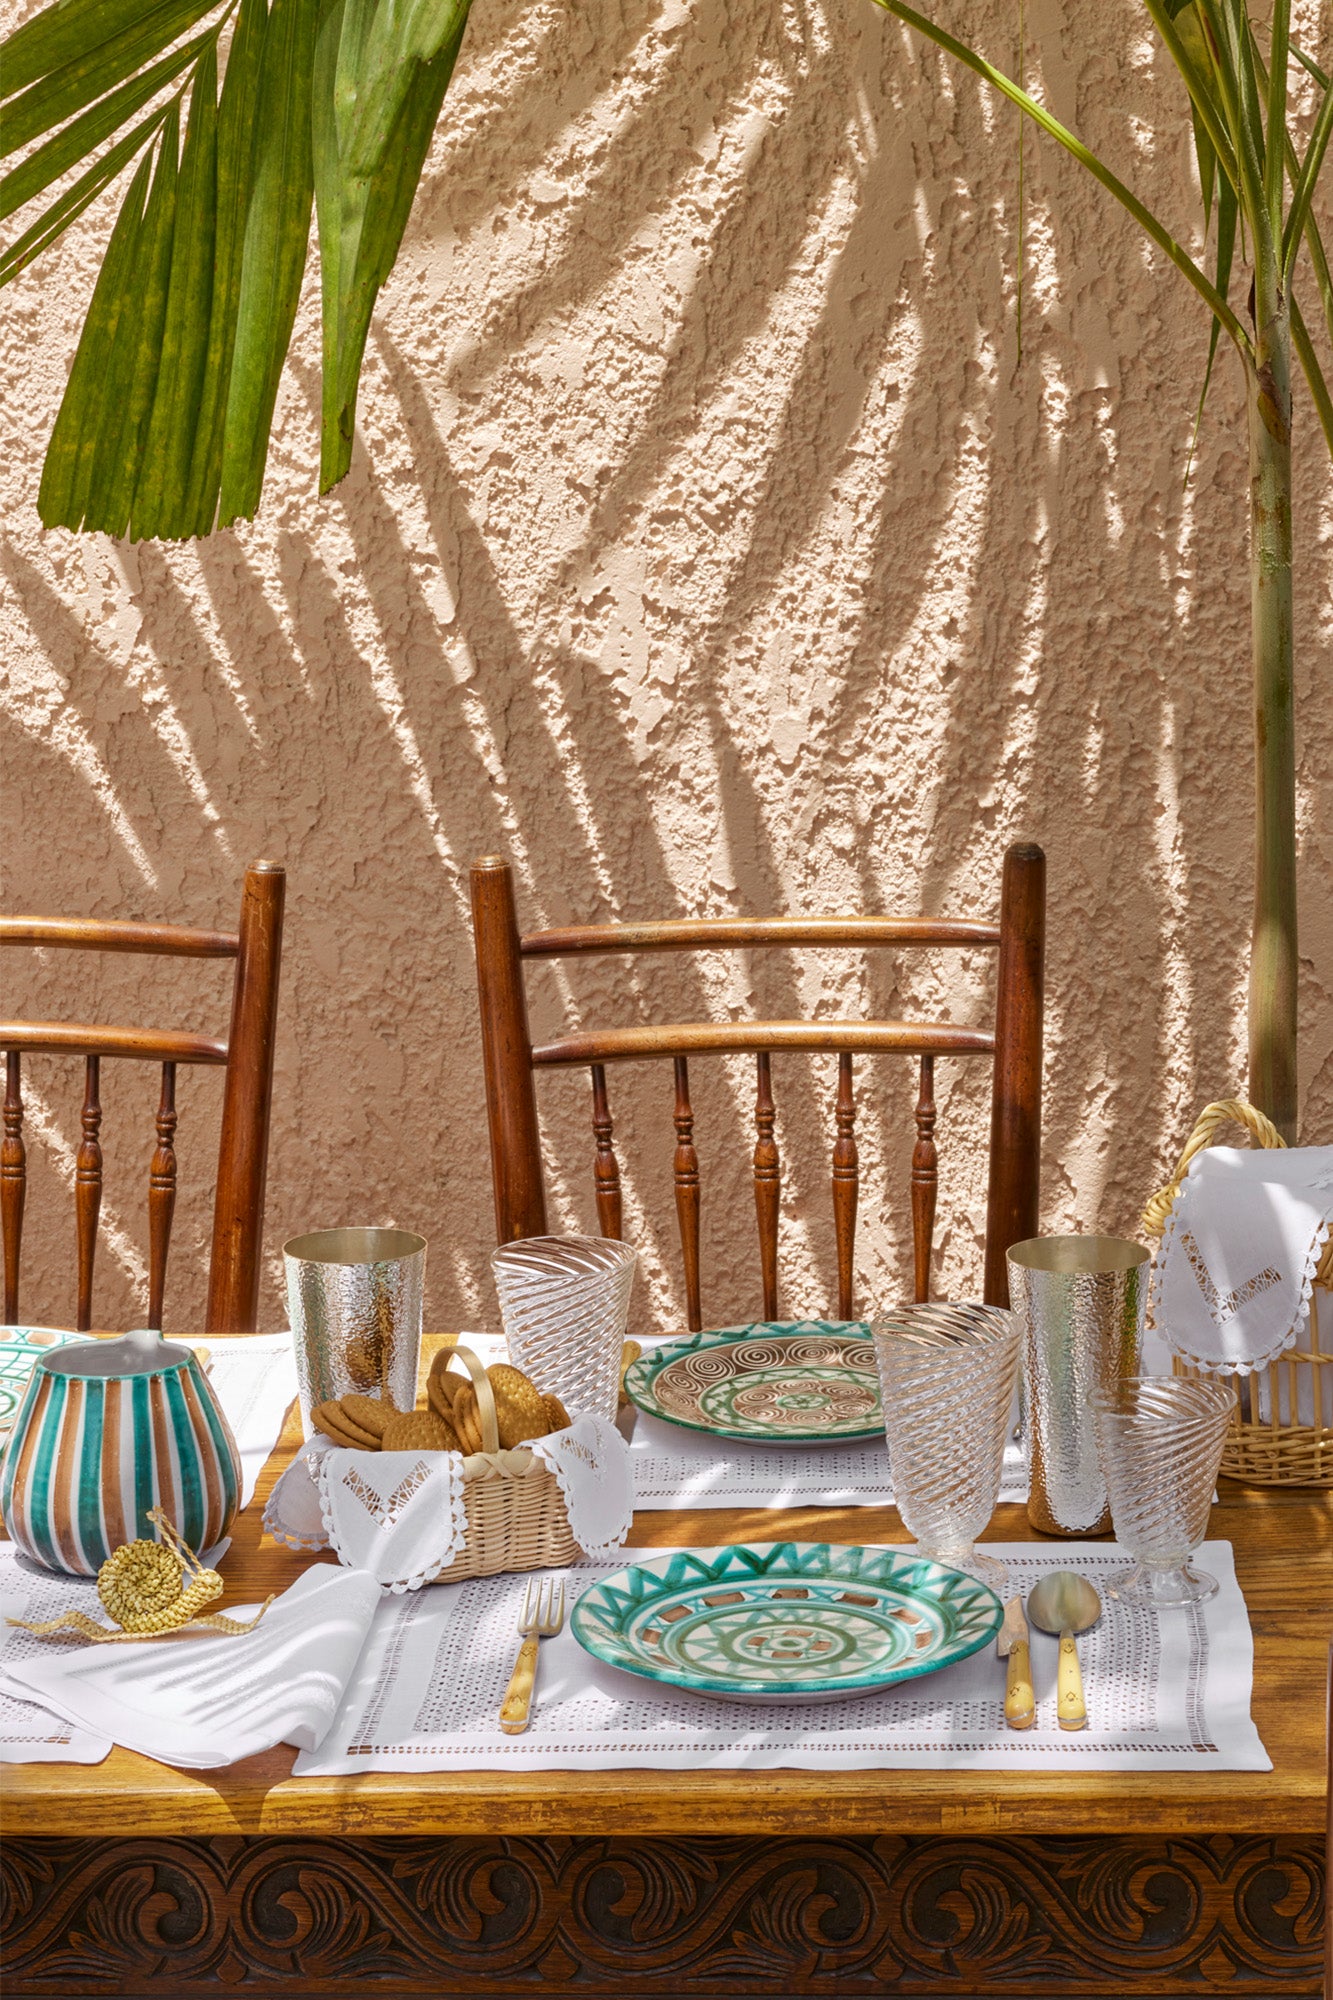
(254, 1377)
(1165, 1692)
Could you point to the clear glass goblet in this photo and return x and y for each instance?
(1160, 1440)
(947, 1375)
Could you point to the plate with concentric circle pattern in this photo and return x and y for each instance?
(809, 1381)
(786, 1621)
(20, 1348)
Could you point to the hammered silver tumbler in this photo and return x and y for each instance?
(354, 1297)
(1081, 1301)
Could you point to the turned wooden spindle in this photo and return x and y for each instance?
(767, 1184)
(687, 1194)
(846, 1182)
(13, 1183)
(161, 1195)
(88, 1190)
(606, 1171)
(925, 1181)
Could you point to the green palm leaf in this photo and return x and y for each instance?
(165, 423)
(277, 230)
(371, 142)
(54, 98)
(161, 493)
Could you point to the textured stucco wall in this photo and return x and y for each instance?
(709, 549)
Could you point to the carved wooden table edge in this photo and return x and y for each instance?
(707, 1916)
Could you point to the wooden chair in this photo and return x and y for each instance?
(1014, 1045)
(246, 1055)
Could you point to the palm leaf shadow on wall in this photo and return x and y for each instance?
(164, 426)
(1256, 182)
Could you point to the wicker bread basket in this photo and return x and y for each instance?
(516, 1517)
(1267, 1444)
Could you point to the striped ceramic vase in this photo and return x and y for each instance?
(107, 1430)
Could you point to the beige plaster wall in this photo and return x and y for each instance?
(709, 548)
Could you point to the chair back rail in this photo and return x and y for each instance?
(510, 1061)
(246, 1057)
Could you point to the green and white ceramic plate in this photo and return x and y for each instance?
(19, 1349)
(807, 1381)
(787, 1621)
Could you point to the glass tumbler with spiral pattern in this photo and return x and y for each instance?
(947, 1376)
(564, 1304)
(1160, 1441)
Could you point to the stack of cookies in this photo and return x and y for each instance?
(450, 1421)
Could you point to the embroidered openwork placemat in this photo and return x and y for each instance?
(1165, 1692)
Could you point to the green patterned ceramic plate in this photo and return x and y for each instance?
(807, 1381)
(787, 1621)
(19, 1349)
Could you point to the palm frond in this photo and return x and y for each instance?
(366, 174)
(165, 424)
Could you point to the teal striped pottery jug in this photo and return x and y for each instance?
(108, 1429)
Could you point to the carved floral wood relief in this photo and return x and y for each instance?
(664, 1917)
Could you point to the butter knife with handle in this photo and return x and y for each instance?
(1020, 1707)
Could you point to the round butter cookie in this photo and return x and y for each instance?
(417, 1430)
(367, 1413)
(331, 1420)
(466, 1421)
(520, 1412)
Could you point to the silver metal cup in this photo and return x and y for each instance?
(354, 1297)
(1081, 1301)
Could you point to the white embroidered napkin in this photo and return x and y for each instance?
(199, 1703)
(397, 1514)
(1232, 1281)
(402, 1515)
(591, 1464)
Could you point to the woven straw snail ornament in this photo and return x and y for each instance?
(150, 1589)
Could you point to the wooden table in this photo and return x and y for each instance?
(128, 1876)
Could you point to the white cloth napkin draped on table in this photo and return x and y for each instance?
(202, 1702)
(29, 1733)
(1232, 1281)
(362, 1680)
(401, 1515)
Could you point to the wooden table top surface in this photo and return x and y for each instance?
(1283, 1540)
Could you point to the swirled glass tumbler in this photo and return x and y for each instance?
(947, 1377)
(1160, 1442)
(564, 1303)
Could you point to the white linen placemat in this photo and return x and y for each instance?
(29, 1733)
(254, 1378)
(1166, 1691)
(675, 1468)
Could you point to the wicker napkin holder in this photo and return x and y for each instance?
(516, 1515)
(1266, 1449)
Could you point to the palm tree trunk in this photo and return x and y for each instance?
(1273, 960)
